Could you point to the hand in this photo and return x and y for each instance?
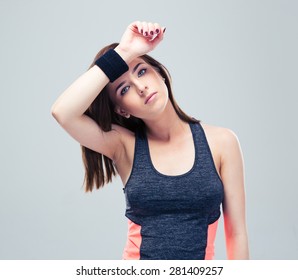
(140, 38)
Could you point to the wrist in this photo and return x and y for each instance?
(112, 64)
(126, 55)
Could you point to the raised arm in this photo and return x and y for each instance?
(70, 107)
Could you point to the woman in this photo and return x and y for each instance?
(176, 170)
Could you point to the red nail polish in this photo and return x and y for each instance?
(151, 32)
(157, 31)
(164, 30)
(146, 33)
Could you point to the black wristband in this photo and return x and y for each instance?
(112, 64)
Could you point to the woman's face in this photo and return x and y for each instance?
(140, 92)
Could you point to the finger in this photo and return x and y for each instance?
(159, 36)
(154, 30)
(136, 27)
(157, 28)
(151, 29)
(145, 29)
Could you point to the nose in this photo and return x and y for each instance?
(141, 87)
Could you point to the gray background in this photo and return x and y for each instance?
(234, 64)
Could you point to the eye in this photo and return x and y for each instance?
(124, 90)
(141, 72)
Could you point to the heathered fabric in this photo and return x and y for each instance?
(174, 211)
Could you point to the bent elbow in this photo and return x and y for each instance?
(54, 112)
(58, 115)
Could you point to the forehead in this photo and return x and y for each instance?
(131, 66)
(133, 63)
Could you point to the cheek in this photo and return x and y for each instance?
(164, 88)
(130, 102)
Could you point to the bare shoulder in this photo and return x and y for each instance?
(220, 134)
(222, 140)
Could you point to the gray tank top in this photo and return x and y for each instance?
(174, 211)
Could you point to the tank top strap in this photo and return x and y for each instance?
(141, 154)
(140, 160)
(204, 158)
(197, 132)
(201, 144)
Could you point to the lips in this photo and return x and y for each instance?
(149, 96)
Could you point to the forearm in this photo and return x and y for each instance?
(76, 99)
(237, 247)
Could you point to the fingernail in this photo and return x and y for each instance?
(146, 33)
(141, 30)
(151, 32)
(164, 30)
(157, 31)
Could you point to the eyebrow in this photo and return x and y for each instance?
(133, 70)
(136, 67)
(119, 86)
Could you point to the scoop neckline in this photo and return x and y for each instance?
(178, 175)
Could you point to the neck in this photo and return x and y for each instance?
(165, 126)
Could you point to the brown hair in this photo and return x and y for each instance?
(100, 169)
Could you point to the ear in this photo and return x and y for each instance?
(121, 112)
